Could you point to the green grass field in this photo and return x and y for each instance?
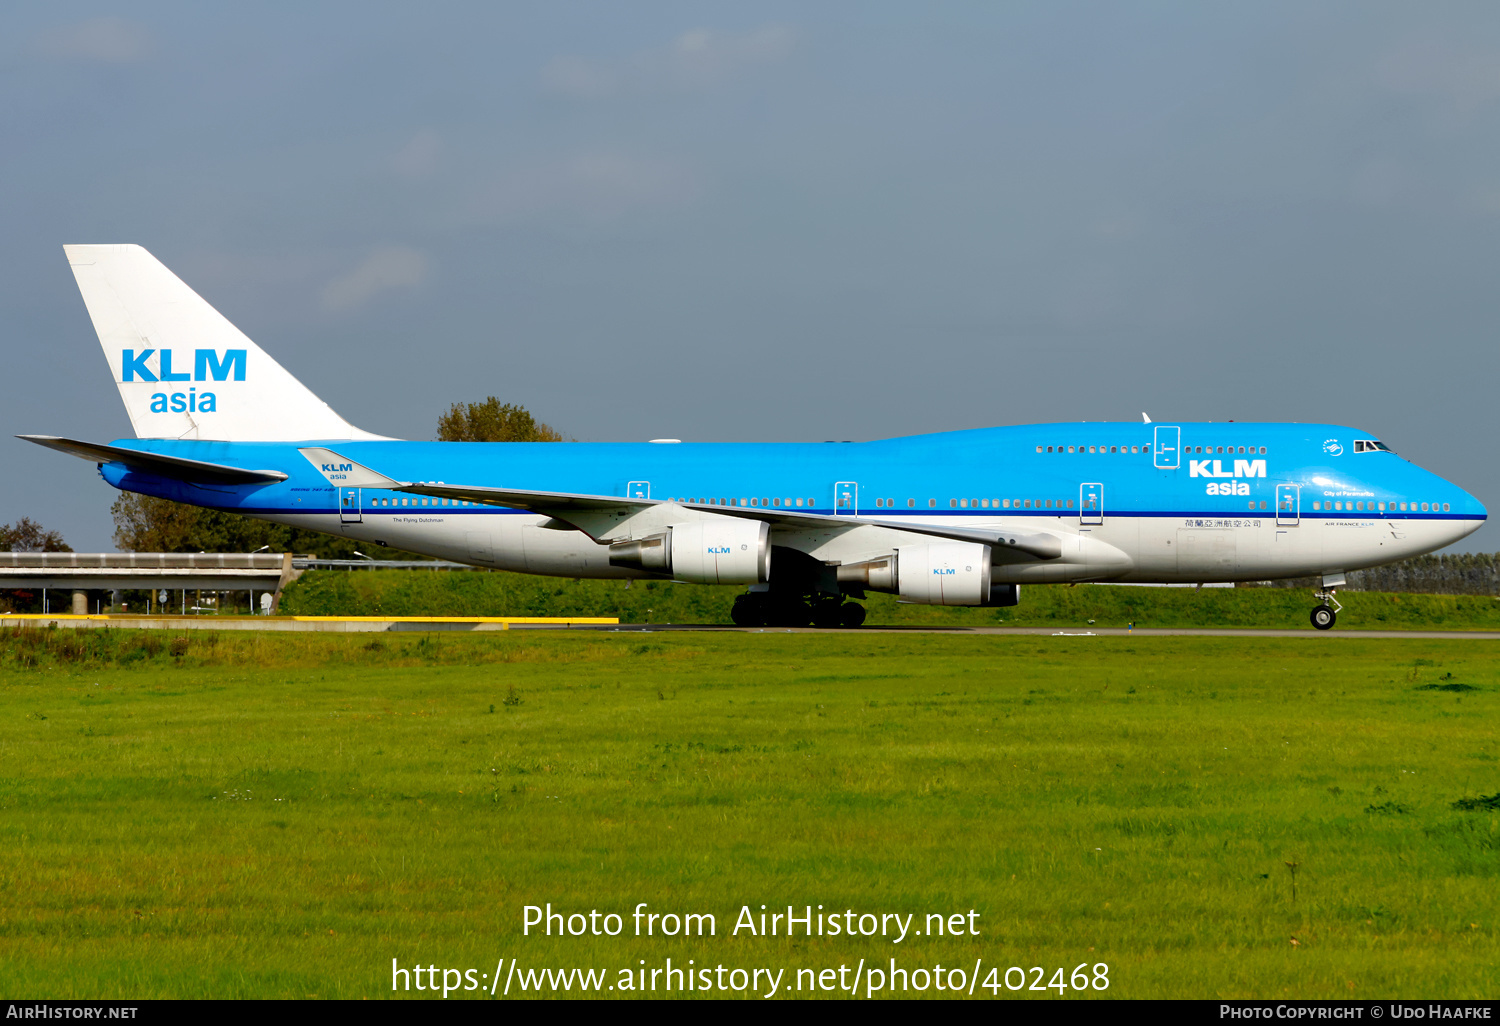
(421, 593)
(279, 816)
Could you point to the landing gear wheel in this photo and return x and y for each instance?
(748, 612)
(852, 614)
(827, 614)
(1323, 618)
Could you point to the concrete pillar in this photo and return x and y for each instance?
(81, 603)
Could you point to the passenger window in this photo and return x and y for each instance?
(1263, 450)
(1262, 504)
(1070, 503)
(910, 503)
(984, 503)
(1039, 448)
(1092, 448)
(1445, 507)
(962, 502)
(1070, 448)
(1317, 505)
(799, 502)
(931, 503)
(1028, 503)
(1006, 503)
(1146, 449)
(1135, 448)
(1049, 448)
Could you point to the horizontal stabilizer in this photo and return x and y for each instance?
(174, 467)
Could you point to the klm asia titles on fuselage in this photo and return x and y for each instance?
(961, 518)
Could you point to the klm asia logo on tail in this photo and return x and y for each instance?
(208, 365)
(336, 468)
(1215, 468)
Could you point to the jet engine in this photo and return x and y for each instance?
(704, 552)
(933, 574)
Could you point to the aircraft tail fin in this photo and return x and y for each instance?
(182, 369)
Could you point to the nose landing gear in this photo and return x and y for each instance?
(1326, 614)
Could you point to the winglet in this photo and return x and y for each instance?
(1145, 419)
(344, 472)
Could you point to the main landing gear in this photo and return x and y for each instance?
(766, 609)
(1326, 614)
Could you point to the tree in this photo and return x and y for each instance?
(26, 535)
(490, 421)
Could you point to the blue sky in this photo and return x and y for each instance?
(771, 222)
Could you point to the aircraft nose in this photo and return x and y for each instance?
(1467, 516)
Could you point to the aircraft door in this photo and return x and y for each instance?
(349, 511)
(1288, 501)
(1091, 503)
(846, 499)
(638, 489)
(1166, 453)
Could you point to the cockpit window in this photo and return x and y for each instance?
(1371, 445)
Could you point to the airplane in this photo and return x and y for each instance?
(959, 518)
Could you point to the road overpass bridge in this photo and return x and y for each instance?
(76, 574)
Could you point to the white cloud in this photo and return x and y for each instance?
(598, 185)
(386, 268)
(695, 59)
(420, 156)
(100, 40)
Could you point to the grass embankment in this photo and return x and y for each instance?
(441, 593)
(257, 815)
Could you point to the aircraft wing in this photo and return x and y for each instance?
(560, 504)
(557, 503)
(174, 467)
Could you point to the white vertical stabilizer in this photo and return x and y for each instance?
(184, 371)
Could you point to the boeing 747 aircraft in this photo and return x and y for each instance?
(962, 518)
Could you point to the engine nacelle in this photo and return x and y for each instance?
(944, 573)
(933, 574)
(704, 552)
